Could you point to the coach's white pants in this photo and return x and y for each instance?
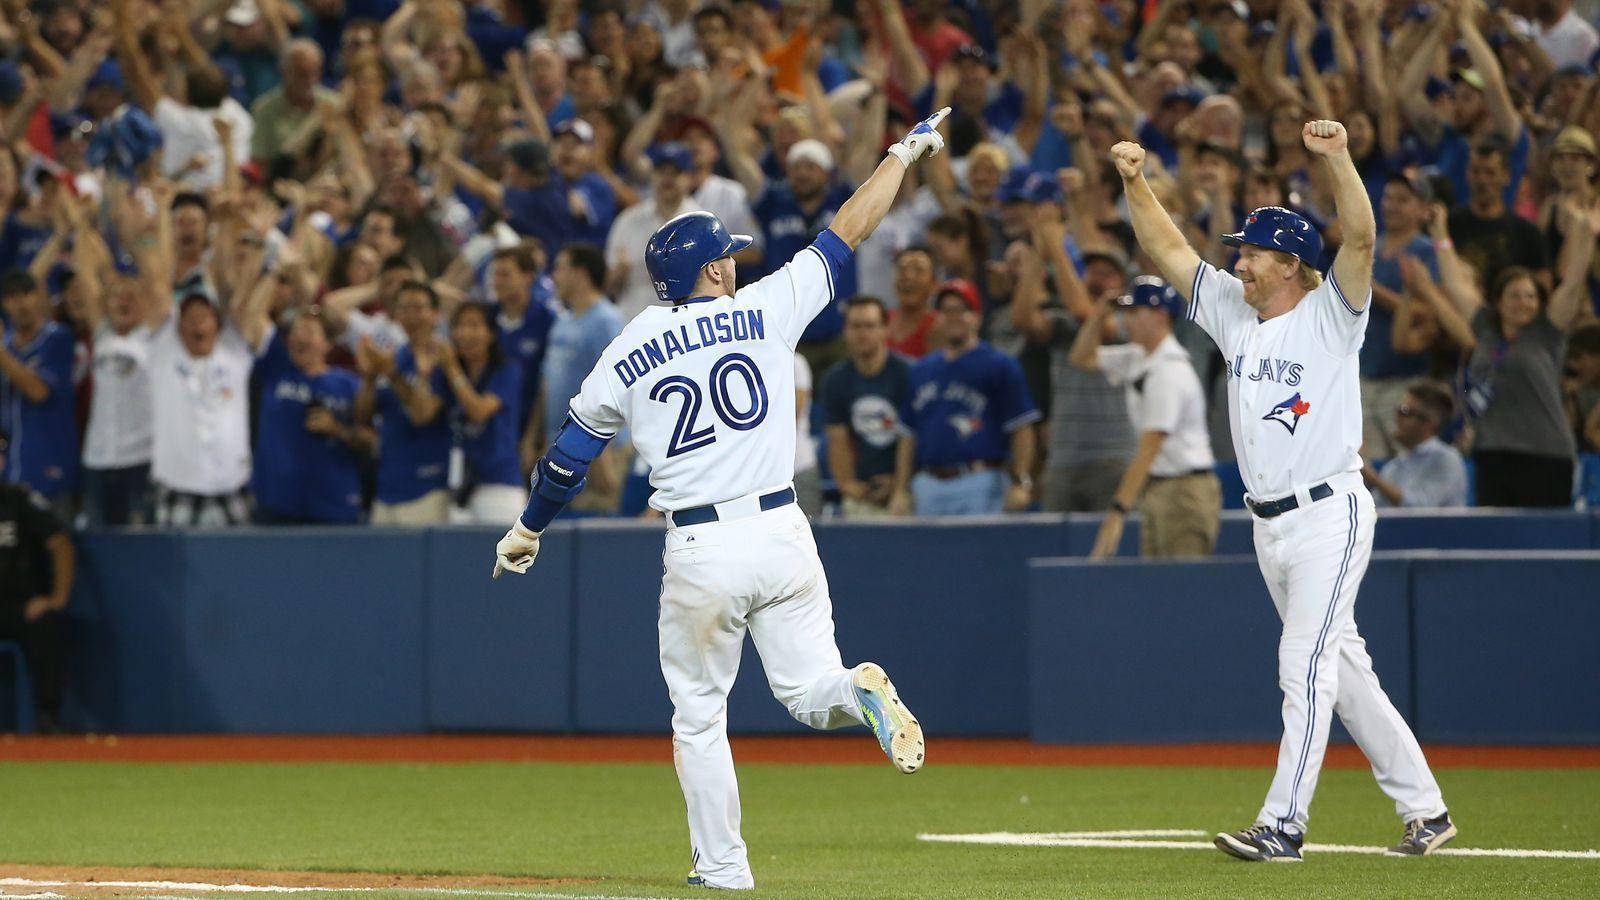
(720, 578)
(1313, 559)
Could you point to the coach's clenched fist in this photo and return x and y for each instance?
(1324, 136)
(1129, 158)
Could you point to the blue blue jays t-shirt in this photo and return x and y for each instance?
(491, 447)
(542, 212)
(786, 229)
(297, 474)
(1378, 356)
(44, 436)
(412, 459)
(601, 203)
(575, 345)
(870, 408)
(964, 409)
(525, 340)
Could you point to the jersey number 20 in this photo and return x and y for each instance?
(686, 436)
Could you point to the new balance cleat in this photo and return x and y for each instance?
(1260, 843)
(899, 733)
(1423, 836)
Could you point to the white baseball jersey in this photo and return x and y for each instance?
(1163, 395)
(707, 386)
(1294, 403)
(1294, 389)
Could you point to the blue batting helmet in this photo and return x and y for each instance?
(1148, 290)
(1276, 228)
(678, 250)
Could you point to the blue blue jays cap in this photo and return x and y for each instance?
(671, 154)
(1148, 290)
(1186, 93)
(1276, 228)
(108, 75)
(1024, 184)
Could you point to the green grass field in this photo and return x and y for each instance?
(814, 831)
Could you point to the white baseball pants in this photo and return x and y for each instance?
(1313, 559)
(762, 573)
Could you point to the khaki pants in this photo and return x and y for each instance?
(861, 509)
(432, 508)
(1379, 397)
(1180, 516)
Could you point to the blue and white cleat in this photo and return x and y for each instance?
(1423, 836)
(1260, 843)
(899, 733)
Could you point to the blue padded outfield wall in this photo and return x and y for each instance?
(990, 627)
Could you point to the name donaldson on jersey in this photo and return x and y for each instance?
(706, 331)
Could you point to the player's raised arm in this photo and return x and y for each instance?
(1352, 267)
(866, 207)
(1151, 224)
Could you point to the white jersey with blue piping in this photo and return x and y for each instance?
(1294, 389)
(707, 386)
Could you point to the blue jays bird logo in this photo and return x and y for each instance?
(966, 426)
(1288, 412)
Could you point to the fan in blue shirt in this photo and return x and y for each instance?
(36, 398)
(793, 212)
(485, 393)
(306, 464)
(524, 319)
(413, 427)
(969, 413)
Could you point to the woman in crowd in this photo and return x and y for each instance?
(1523, 446)
(484, 393)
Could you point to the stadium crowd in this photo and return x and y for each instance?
(337, 261)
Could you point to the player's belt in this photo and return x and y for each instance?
(699, 515)
(1272, 508)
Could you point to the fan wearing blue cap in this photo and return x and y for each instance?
(1291, 342)
(1172, 469)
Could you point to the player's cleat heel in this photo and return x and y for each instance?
(1423, 836)
(898, 731)
(695, 880)
(1259, 843)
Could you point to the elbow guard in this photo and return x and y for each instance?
(559, 477)
(560, 474)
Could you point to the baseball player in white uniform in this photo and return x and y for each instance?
(705, 382)
(1291, 341)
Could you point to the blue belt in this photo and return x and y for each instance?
(699, 515)
(1273, 508)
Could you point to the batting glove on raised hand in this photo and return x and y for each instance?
(923, 140)
(517, 550)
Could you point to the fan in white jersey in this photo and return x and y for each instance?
(704, 381)
(1291, 341)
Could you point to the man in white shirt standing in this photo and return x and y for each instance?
(200, 387)
(1291, 341)
(117, 443)
(1179, 514)
(628, 280)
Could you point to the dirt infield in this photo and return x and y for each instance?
(124, 881)
(658, 748)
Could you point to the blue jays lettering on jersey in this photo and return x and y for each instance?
(412, 459)
(298, 474)
(525, 340)
(786, 229)
(962, 410)
(44, 436)
(491, 446)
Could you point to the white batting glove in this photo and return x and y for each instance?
(517, 550)
(923, 140)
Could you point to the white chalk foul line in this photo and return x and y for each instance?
(204, 887)
(1139, 839)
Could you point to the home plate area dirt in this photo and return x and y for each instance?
(132, 881)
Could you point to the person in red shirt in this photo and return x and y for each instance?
(911, 321)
